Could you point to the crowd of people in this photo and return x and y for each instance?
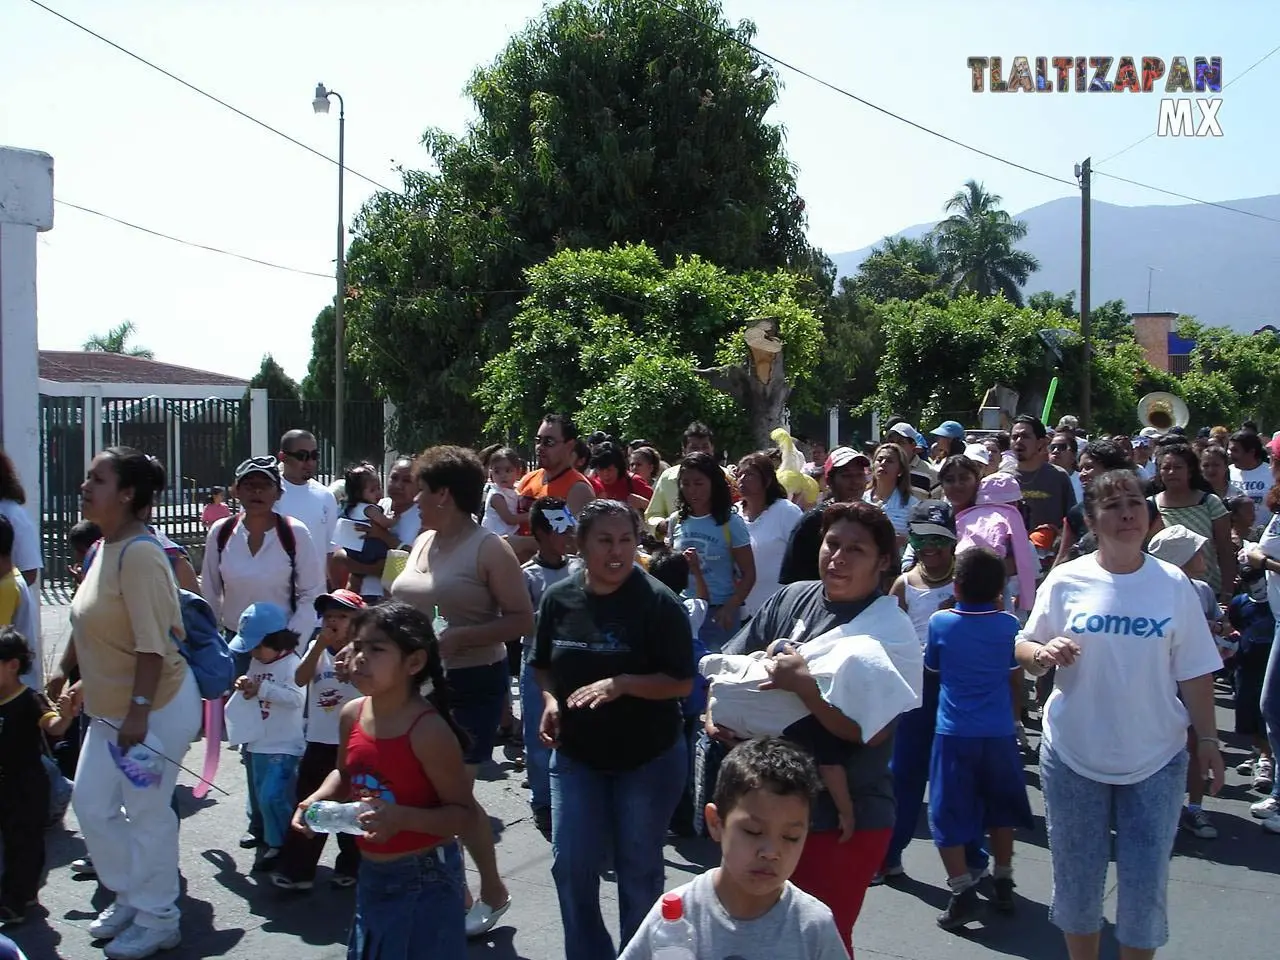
(789, 657)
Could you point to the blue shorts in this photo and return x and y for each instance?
(478, 696)
(975, 784)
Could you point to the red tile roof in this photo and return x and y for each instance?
(70, 366)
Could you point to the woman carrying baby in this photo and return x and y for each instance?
(881, 676)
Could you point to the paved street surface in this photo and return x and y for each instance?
(1224, 895)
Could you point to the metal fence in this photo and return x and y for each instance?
(364, 437)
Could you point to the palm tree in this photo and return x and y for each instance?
(976, 246)
(116, 340)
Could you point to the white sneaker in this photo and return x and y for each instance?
(1264, 775)
(1245, 767)
(112, 921)
(1265, 809)
(1271, 824)
(138, 942)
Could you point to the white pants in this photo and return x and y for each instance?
(132, 832)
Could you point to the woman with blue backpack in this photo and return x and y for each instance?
(127, 618)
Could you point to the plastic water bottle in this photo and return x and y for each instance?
(673, 938)
(438, 623)
(329, 816)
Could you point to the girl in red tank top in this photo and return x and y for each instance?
(401, 754)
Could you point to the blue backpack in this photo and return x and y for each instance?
(204, 648)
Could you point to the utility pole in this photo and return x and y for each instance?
(1083, 171)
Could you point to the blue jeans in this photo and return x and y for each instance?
(593, 810)
(1271, 703)
(537, 756)
(714, 635)
(273, 786)
(912, 750)
(411, 907)
(1080, 814)
(478, 695)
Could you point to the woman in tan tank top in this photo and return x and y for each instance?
(471, 578)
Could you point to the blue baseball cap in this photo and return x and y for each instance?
(949, 429)
(257, 621)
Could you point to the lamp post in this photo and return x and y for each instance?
(321, 105)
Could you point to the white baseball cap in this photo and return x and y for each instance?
(1176, 544)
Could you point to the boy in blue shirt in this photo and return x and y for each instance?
(975, 775)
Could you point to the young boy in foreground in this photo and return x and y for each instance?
(746, 908)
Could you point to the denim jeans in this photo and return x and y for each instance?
(273, 781)
(592, 810)
(1080, 814)
(1271, 703)
(411, 907)
(537, 756)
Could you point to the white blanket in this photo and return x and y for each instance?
(871, 669)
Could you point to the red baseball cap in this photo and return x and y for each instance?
(347, 599)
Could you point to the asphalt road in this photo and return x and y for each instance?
(1224, 895)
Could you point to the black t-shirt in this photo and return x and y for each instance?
(20, 733)
(800, 562)
(583, 637)
(867, 768)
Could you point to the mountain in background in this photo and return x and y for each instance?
(1221, 267)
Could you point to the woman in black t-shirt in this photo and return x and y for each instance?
(614, 655)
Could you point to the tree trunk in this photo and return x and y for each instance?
(760, 384)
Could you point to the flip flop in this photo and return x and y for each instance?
(482, 918)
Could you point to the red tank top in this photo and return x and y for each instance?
(389, 770)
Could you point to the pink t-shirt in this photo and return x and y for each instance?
(214, 512)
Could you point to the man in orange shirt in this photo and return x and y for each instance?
(555, 476)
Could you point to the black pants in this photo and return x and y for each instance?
(24, 808)
(301, 853)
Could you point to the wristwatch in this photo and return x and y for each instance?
(140, 702)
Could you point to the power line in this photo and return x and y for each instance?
(210, 96)
(192, 243)
(1183, 196)
(1266, 56)
(853, 96)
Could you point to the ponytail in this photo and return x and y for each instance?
(439, 698)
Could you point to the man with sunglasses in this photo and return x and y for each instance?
(555, 477)
(304, 498)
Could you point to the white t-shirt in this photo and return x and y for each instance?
(1269, 544)
(280, 700)
(406, 526)
(312, 504)
(1114, 715)
(1255, 483)
(26, 538)
(493, 521)
(326, 696)
(696, 610)
(770, 532)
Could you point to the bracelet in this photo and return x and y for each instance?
(1213, 740)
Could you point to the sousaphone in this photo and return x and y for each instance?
(1163, 411)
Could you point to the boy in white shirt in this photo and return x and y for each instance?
(273, 755)
(323, 672)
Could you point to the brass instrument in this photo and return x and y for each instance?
(1163, 411)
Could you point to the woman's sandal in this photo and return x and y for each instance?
(481, 918)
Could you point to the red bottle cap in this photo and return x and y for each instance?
(672, 906)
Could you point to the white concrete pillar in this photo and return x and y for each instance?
(260, 444)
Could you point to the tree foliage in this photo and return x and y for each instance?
(116, 340)
(1233, 376)
(899, 268)
(603, 122)
(976, 246)
(272, 378)
(318, 384)
(1110, 323)
(617, 339)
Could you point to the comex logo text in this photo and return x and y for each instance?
(1085, 622)
(1176, 117)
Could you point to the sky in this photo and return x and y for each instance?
(130, 142)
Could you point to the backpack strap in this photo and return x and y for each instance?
(90, 555)
(225, 531)
(284, 532)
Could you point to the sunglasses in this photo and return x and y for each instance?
(1059, 447)
(302, 456)
(930, 542)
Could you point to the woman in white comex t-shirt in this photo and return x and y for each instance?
(1135, 668)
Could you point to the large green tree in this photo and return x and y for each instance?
(318, 384)
(633, 347)
(609, 121)
(977, 246)
(901, 268)
(116, 340)
(1226, 364)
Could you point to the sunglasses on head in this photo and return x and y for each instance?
(257, 465)
(302, 456)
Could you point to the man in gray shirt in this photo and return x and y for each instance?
(1046, 489)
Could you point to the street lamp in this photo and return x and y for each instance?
(321, 105)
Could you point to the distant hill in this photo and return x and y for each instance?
(1221, 267)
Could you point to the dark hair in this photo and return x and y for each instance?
(509, 454)
(700, 430)
(214, 491)
(868, 516)
(1195, 477)
(670, 568)
(14, 646)
(410, 630)
(1238, 502)
(609, 454)
(1216, 450)
(1249, 425)
(1273, 498)
(456, 469)
(1251, 442)
(291, 437)
(959, 462)
(765, 763)
(538, 513)
(83, 536)
(10, 485)
(1104, 485)
(581, 452)
(6, 538)
(1003, 440)
(1037, 427)
(486, 453)
(721, 495)
(353, 480)
(281, 640)
(139, 472)
(763, 464)
(979, 576)
(953, 445)
(651, 455)
(1106, 455)
(599, 509)
(568, 427)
